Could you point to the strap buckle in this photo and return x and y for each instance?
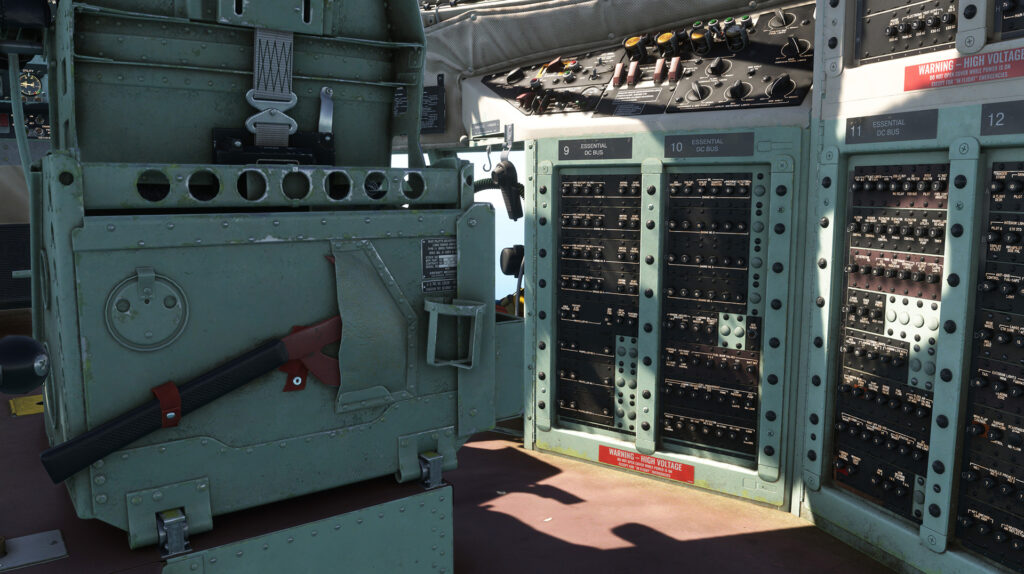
(271, 113)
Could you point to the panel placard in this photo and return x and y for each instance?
(710, 145)
(883, 128)
(604, 148)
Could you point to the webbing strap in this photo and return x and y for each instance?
(272, 65)
(273, 56)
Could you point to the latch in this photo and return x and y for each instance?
(172, 532)
(430, 469)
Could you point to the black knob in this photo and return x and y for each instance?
(697, 92)
(794, 45)
(780, 19)
(781, 86)
(738, 91)
(514, 76)
(718, 66)
(24, 364)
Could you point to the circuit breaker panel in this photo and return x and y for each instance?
(910, 427)
(662, 278)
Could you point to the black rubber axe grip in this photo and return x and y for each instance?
(64, 460)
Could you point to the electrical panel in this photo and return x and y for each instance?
(736, 62)
(990, 517)
(888, 29)
(598, 296)
(662, 279)
(910, 425)
(891, 298)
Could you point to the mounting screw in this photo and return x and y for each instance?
(826, 182)
(645, 425)
(956, 230)
(773, 379)
(651, 190)
(820, 301)
(769, 450)
(816, 381)
(953, 280)
(934, 510)
(942, 421)
(822, 263)
(649, 259)
(781, 190)
(949, 326)
(543, 189)
(647, 361)
(823, 222)
(938, 467)
(946, 375)
(650, 224)
(811, 455)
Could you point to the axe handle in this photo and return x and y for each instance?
(66, 459)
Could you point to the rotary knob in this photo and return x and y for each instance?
(781, 86)
(718, 67)
(780, 19)
(697, 92)
(738, 91)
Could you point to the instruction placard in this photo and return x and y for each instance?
(440, 264)
(966, 70)
(647, 464)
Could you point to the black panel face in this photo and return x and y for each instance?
(1009, 19)
(991, 507)
(888, 29)
(32, 89)
(598, 274)
(754, 61)
(895, 236)
(711, 348)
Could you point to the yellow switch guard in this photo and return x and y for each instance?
(30, 405)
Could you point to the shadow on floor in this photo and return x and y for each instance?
(499, 541)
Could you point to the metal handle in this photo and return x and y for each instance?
(460, 309)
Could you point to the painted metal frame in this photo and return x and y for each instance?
(778, 153)
(930, 547)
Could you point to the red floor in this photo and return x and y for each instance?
(521, 511)
(515, 511)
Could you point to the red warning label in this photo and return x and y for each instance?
(648, 464)
(967, 70)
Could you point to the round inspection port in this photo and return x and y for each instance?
(252, 185)
(413, 185)
(338, 185)
(203, 185)
(153, 185)
(295, 185)
(376, 185)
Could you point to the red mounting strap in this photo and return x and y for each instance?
(170, 404)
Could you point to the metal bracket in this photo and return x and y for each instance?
(326, 123)
(172, 532)
(31, 550)
(510, 132)
(430, 469)
(271, 113)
